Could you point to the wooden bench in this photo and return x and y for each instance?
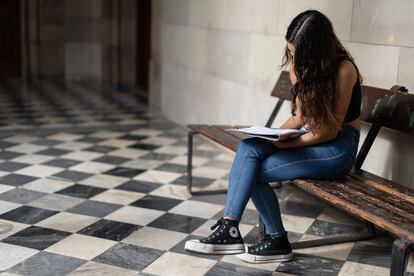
(379, 202)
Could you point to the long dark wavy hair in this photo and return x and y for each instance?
(315, 61)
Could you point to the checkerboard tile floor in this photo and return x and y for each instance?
(92, 182)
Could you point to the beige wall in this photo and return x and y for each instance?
(219, 61)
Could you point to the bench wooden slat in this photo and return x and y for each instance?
(359, 196)
(385, 185)
(217, 134)
(380, 197)
(361, 208)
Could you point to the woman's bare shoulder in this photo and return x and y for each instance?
(347, 71)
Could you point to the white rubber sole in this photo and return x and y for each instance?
(197, 246)
(255, 259)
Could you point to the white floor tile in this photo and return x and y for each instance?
(135, 215)
(173, 191)
(8, 228)
(197, 209)
(33, 158)
(158, 176)
(118, 196)
(92, 167)
(104, 180)
(352, 269)
(39, 170)
(82, 155)
(178, 264)
(91, 269)
(81, 246)
(47, 185)
(338, 251)
(11, 255)
(68, 222)
(6, 206)
(296, 224)
(155, 238)
(26, 148)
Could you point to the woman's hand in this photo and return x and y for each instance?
(281, 144)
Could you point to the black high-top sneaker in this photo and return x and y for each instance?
(272, 248)
(225, 240)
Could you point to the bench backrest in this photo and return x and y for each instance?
(391, 108)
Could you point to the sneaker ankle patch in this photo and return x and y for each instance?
(233, 232)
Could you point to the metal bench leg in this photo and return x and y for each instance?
(191, 134)
(399, 256)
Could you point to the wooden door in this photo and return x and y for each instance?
(143, 42)
(10, 38)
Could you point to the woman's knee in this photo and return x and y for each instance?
(253, 147)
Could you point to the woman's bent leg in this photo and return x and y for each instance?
(226, 239)
(243, 174)
(267, 205)
(330, 160)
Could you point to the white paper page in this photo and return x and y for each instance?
(258, 130)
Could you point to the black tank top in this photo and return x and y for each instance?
(354, 108)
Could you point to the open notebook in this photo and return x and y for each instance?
(272, 134)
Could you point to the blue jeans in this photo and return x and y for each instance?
(258, 162)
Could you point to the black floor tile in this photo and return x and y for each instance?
(16, 179)
(27, 214)
(79, 190)
(372, 254)
(36, 237)
(4, 144)
(138, 186)
(326, 228)
(114, 160)
(170, 167)
(196, 181)
(46, 263)
(111, 230)
(157, 156)
(102, 149)
(144, 146)
(20, 195)
(62, 163)
(6, 155)
(74, 176)
(133, 137)
(94, 208)
(124, 172)
(91, 140)
(301, 209)
(310, 265)
(228, 269)
(10, 166)
(129, 256)
(179, 223)
(53, 152)
(157, 202)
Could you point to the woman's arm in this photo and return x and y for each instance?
(292, 122)
(347, 76)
